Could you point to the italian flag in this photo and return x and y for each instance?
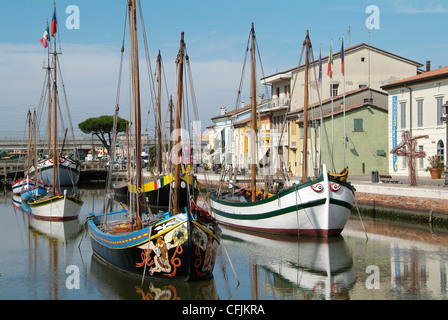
(45, 38)
(330, 62)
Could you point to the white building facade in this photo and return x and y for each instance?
(415, 105)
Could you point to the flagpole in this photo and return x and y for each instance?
(343, 73)
(332, 106)
(321, 112)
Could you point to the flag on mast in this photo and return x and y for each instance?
(54, 24)
(45, 38)
(330, 62)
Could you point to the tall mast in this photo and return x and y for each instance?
(137, 112)
(55, 118)
(253, 93)
(307, 45)
(49, 99)
(159, 113)
(28, 155)
(171, 129)
(36, 178)
(177, 165)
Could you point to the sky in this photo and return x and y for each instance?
(216, 34)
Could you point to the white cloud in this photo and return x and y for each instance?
(417, 7)
(90, 74)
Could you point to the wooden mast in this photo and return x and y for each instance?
(159, 113)
(36, 178)
(28, 155)
(171, 126)
(55, 119)
(307, 45)
(253, 90)
(49, 100)
(177, 164)
(138, 151)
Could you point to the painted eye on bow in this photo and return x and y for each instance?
(317, 187)
(335, 187)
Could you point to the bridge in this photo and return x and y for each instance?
(79, 143)
(90, 170)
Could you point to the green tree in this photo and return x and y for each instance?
(102, 127)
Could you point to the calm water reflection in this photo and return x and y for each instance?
(42, 260)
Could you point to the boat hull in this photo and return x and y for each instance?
(120, 188)
(157, 193)
(178, 247)
(22, 184)
(69, 171)
(55, 208)
(315, 208)
(35, 191)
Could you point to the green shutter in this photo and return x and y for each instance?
(358, 125)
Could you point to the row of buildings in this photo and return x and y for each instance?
(384, 95)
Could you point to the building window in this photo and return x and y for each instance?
(334, 89)
(358, 125)
(403, 115)
(420, 113)
(441, 151)
(287, 91)
(439, 110)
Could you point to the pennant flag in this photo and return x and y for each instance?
(45, 38)
(54, 24)
(342, 56)
(320, 65)
(330, 62)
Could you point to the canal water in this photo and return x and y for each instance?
(371, 260)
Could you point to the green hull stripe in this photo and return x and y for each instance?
(273, 198)
(341, 203)
(270, 214)
(275, 213)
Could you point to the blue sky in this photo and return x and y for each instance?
(216, 34)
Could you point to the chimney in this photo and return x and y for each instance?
(223, 110)
(428, 65)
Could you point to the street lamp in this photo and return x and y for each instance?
(445, 118)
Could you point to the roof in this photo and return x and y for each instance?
(336, 98)
(440, 73)
(328, 114)
(347, 51)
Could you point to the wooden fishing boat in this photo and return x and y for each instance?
(68, 166)
(69, 170)
(56, 204)
(157, 189)
(181, 243)
(314, 207)
(181, 246)
(27, 187)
